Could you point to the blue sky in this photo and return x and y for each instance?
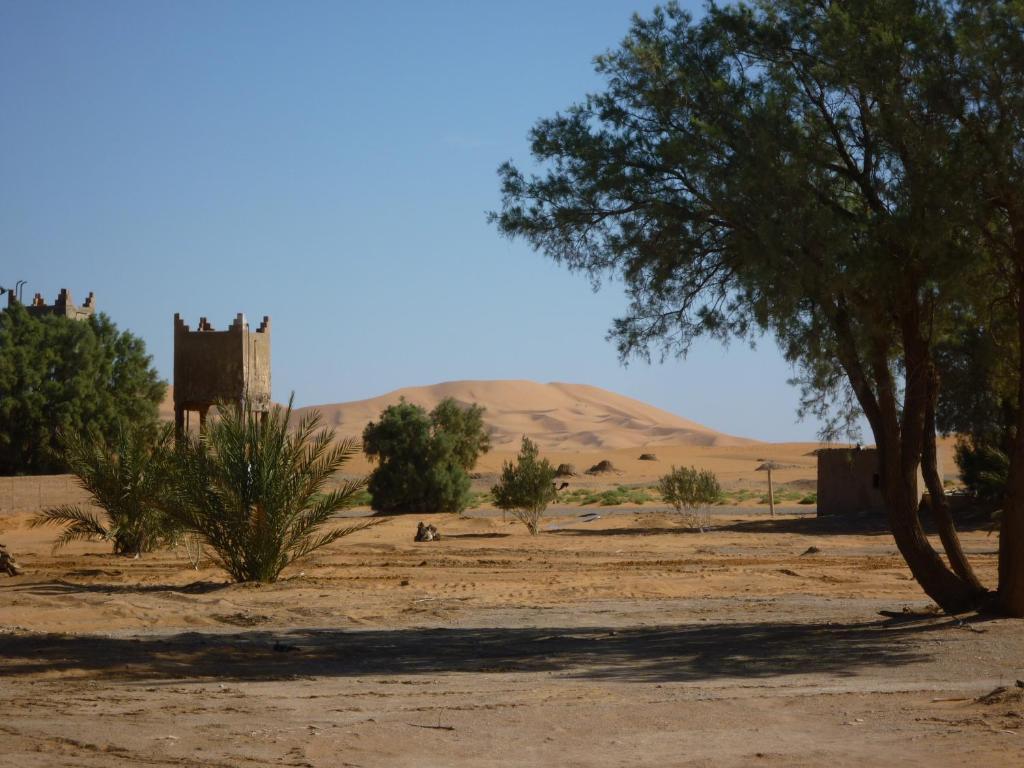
(329, 164)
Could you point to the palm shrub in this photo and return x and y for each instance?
(691, 492)
(256, 492)
(123, 476)
(525, 488)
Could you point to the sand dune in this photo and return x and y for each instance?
(558, 416)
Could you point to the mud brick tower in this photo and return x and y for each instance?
(63, 306)
(212, 367)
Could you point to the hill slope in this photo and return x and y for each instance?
(557, 416)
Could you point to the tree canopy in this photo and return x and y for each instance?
(424, 459)
(58, 374)
(821, 172)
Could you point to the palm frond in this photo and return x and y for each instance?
(79, 524)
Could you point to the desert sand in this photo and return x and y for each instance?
(623, 639)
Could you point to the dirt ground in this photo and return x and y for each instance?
(625, 640)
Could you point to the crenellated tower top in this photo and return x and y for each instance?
(229, 366)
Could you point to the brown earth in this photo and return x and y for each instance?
(625, 640)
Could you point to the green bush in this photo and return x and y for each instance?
(690, 491)
(255, 491)
(424, 459)
(124, 478)
(525, 488)
(810, 498)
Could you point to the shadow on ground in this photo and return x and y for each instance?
(804, 525)
(639, 654)
(61, 587)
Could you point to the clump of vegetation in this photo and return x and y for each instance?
(362, 499)
(601, 467)
(610, 498)
(691, 491)
(255, 491)
(424, 459)
(479, 498)
(810, 498)
(984, 469)
(565, 470)
(124, 477)
(525, 488)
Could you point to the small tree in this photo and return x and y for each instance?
(526, 487)
(123, 477)
(255, 492)
(691, 491)
(424, 459)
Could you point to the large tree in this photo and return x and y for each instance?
(794, 167)
(991, 45)
(58, 374)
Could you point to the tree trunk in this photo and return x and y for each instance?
(946, 588)
(900, 442)
(866, 365)
(938, 504)
(1011, 530)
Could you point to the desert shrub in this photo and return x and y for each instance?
(124, 477)
(602, 466)
(691, 491)
(525, 487)
(362, 499)
(614, 497)
(255, 492)
(424, 459)
(810, 498)
(565, 470)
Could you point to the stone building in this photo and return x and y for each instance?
(211, 367)
(849, 481)
(63, 306)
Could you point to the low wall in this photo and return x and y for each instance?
(19, 495)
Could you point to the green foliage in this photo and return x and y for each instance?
(525, 487)
(124, 479)
(64, 376)
(610, 498)
(683, 174)
(424, 459)
(984, 469)
(464, 426)
(810, 498)
(691, 491)
(362, 499)
(256, 492)
(687, 488)
(977, 401)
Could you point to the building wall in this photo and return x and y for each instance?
(63, 306)
(849, 481)
(221, 366)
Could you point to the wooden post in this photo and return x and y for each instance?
(771, 492)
